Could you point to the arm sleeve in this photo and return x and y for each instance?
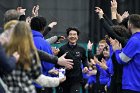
(84, 58)
(90, 55)
(6, 63)
(44, 56)
(46, 81)
(47, 30)
(128, 52)
(115, 22)
(52, 39)
(110, 31)
(108, 20)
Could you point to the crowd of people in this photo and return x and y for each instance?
(29, 64)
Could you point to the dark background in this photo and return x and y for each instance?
(72, 13)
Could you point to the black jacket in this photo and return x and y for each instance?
(44, 56)
(78, 54)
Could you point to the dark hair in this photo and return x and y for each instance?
(134, 19)
(124, 22)
(11, 14)
(38, 23)
(72, 28)
(120, 31)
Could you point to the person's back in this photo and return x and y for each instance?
(37, 25)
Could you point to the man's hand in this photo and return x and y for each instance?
(67, 63)
(99, 11)
(89, 45)
(117, 46)
(102, 64)
(114, 6)
(28, 20)
(60, 38)
(35, 11)
(21, 11)
(52, 24)
(125, 15)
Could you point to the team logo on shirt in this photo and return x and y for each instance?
(78, 54)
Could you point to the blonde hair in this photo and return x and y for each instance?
(10, 24)
(103, 42)
(22, 42)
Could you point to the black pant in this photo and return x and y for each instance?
(44, 90)
(83, 85)
(93, 88)
(129, 91)
(66, 87)
(102, 89)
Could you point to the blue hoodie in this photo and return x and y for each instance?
(42, 44)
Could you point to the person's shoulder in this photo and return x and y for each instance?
(134, 39)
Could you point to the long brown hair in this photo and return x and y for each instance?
(21, 41)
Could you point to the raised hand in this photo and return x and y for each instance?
(21, 11)
(60, 38)
(116, 46)
(89, 45)
(52, 24)
(121, 17)
(99, 11)
(35, 11)
(28, 19)
(114, 6)
(102, 64)
(125, 15)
